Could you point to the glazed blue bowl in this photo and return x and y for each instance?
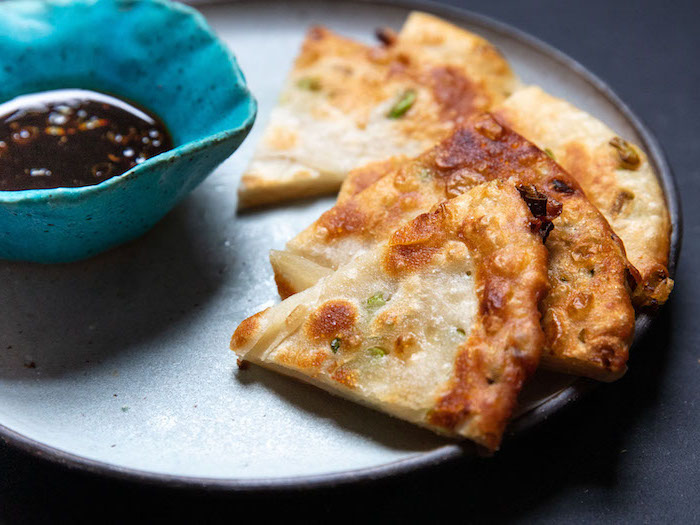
(160, 55)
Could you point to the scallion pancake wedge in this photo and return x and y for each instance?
(345, 104)
(438, 324)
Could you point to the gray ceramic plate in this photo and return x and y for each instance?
(120, 365)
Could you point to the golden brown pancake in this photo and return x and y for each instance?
(346, 104)
(438, 324)
(615, 174)
(588, 316)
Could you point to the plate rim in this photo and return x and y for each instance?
(449, 452)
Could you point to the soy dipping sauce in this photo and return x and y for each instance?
(74, 137)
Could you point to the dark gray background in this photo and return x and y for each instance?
(630, 452)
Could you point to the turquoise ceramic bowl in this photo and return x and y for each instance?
(158, 54)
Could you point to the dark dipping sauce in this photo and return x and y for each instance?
(73, 137)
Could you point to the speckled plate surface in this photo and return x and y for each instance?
(120, 364)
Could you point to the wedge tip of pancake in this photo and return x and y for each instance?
(294, 273)
(256, 191)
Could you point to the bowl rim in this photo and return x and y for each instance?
(451, 451)
(187, 149)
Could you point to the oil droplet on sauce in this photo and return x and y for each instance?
(74, 137)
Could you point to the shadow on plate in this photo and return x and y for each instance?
(58, 319)
(300, 204)
(380, 428)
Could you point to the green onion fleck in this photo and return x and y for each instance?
(424, 174)
(376, 301)
(335, 345)
(549, 153)
(310, 83)
(629, 159)
(404, 103)
(460, 331)
(376, 351)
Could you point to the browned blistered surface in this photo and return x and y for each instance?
(615, 174)
(335, 111)
(588, 315)
(451, 328)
